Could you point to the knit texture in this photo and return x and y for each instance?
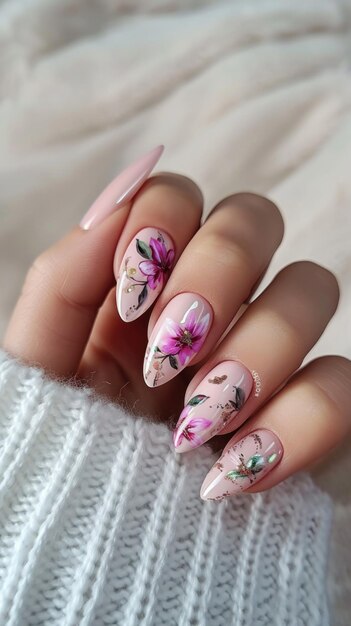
(101, 523)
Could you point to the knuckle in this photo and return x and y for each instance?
(180, 184)
(254, 214)
(322, 279)
(335, 364)
(226, 251)
(39, 272)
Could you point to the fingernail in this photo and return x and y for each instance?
(178, 336)
(216, 400)
(144, 271)
(122, 189)
(242, 465)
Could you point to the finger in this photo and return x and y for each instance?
(301, 424)
(173, 204)
(61, 295)
(122, 189)
(111, 366)
(63, 291)
(265, 347)
(160, 224)
(55, 312)
(213, 277)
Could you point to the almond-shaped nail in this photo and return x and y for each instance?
(144, 271)
(121, 189)
(242, 465)
(216, 400)
(178, 336)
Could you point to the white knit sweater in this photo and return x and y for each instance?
(101, 523)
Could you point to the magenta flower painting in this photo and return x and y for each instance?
(184, 340)
(156, 268)
(177, 337)
(189, 428)
(144, 271)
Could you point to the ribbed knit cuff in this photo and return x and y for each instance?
(101, 523)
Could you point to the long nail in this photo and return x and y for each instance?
(122, 189)
(242, 465)
(216, 400)
(143, 273)
(177, 337)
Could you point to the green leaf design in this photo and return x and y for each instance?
(199, 399)
(141, 297)
(143, 249)
(272, 457)
(234, 474)
(239, 400)
(173, 362)
(239, 397)
(255, 463)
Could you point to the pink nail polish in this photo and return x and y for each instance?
(122, 189)
(178, 336)
(242, 465)
(144, 271)
(216, 400)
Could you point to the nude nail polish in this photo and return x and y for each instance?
(242, 465)
(216, 400)
(121, 189)
(144, 271)
(178, 336)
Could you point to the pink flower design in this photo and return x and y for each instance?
(186, 338)
(190, 431)
(160, 263)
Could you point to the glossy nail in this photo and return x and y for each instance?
(143, 273)
(178, 336)
(122, 189)
(242, 465)
(216, 400)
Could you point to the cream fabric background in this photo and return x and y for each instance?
(245, 95)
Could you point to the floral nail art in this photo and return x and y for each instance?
(145, 268)
(242, 465)
(223, 392)
(189, 429)
(178, 336)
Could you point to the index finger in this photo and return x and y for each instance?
(67, 285)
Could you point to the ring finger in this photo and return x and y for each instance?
(264, 348)
(303, 422)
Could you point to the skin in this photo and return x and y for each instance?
(66, 321)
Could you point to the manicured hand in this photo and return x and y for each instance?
(167, 329)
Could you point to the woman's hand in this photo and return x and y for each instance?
(240, 376)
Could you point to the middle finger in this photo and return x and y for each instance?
(212, 279)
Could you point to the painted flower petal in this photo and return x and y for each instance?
(194, 440)
(202, 325)
(197, 424)
(185, 352)
(190, 321)
(159, 251)
(184, 414)
(196, 345)
(170, 258)
(172, 328)
(170, 346)
(148, 268)
(178, 436)
(153, 281)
